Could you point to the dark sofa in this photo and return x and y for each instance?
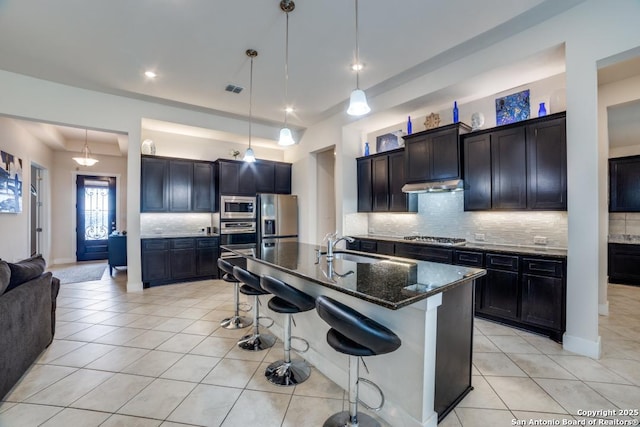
(27, 316)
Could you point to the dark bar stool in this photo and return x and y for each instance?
(287, 300)
(236, 321)
(255, 341)
(356, 335)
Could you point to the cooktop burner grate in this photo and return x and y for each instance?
(453, 241)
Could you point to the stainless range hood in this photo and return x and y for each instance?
(433, 186)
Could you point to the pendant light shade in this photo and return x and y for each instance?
(249, 156)
(85, 159)
(358, 101)
(286, 137)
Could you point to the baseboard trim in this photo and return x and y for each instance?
(603, 309)
(134, 286)
(592, 349)
(59, 261)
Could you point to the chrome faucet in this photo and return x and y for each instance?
(332, 240)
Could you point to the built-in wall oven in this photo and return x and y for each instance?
(239, 235)
(237, 207)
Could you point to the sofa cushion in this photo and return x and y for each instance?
(26, 270)
(5, 276)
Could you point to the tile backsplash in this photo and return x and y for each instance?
(175, 223)
(442, 214)
(624, 223)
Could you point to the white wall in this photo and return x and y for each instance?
(15, 228)
(63, 182)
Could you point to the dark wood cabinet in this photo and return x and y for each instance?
(204, 197)
(624, 264)
(154, 182)
(624, 184)
(380, 181)
(380, 184)
(508, 171)
(500, 294)
(477, 172)
(180, 185)
(547, 165)
(176, 185)
(518, 166)
(363, 171)
(425, 253)
(434, 155)
(174, 260)
(237, 178)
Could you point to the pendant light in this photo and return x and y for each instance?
(286, 137)
(86, 159)
(249, 157)
(358, 102)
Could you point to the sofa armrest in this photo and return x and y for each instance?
(55, 288)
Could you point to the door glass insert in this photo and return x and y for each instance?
(96, 210)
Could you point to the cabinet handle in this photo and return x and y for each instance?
(468, 258)
(539, 267)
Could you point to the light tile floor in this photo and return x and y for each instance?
(159, 358)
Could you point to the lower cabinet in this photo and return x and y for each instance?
(500, 294)
(167, 261)
(624, 264)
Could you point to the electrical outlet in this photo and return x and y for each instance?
(539, 240)
(479, 237)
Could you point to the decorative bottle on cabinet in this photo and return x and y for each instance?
(366, 148)
(542, 111)
(455, 112)
(409, 127)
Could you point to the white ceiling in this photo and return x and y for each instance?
(198, 47)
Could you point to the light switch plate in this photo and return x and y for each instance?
(539, 240)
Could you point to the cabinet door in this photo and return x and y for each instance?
(500, 294)
(153, 185)
(380, 184)
(417, 154)
(445, 155)
(624, 184)
(547, 165)
(542, 301)
(247, 180)
(509, 172)
(228, 176)
(203, 187)
(477, 172)
(183, 263)
(180, 185)
(282, 178)
(624, 264)
(264, 177)
(399, 201)
(364, 185)
(155, 260)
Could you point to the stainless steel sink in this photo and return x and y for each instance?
(360, 259)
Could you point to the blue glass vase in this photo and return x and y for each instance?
(542, 111)
(366, 148)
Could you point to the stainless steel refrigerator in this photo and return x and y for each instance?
(277, 218)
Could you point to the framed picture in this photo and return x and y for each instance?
(386, 142)
(10, 183)
(512, 108)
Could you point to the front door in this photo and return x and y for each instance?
(95, 215)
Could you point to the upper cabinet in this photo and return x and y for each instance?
(624, 184)
(380, 180)
(238, 178)
(176, 185)
(522, 166)
(434, 155)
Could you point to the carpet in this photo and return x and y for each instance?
(80, 273)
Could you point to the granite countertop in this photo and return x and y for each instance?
(390, 282)
(492, 247)
(627, 239)
(175, 235)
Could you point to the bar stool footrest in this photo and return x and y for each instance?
(268, 318)
(374, 385)
(305, 342)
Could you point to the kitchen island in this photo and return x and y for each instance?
(428, 305)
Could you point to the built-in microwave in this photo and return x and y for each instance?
(237, 207)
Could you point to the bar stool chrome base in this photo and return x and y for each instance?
(257, 342)
(343, 419)
(287, 374)
(236, 322)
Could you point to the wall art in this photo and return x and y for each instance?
(10, 183)
(512, 108)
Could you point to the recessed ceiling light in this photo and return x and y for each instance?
(357, 67)
(150, 74)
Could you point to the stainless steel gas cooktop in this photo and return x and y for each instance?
(452, 241)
